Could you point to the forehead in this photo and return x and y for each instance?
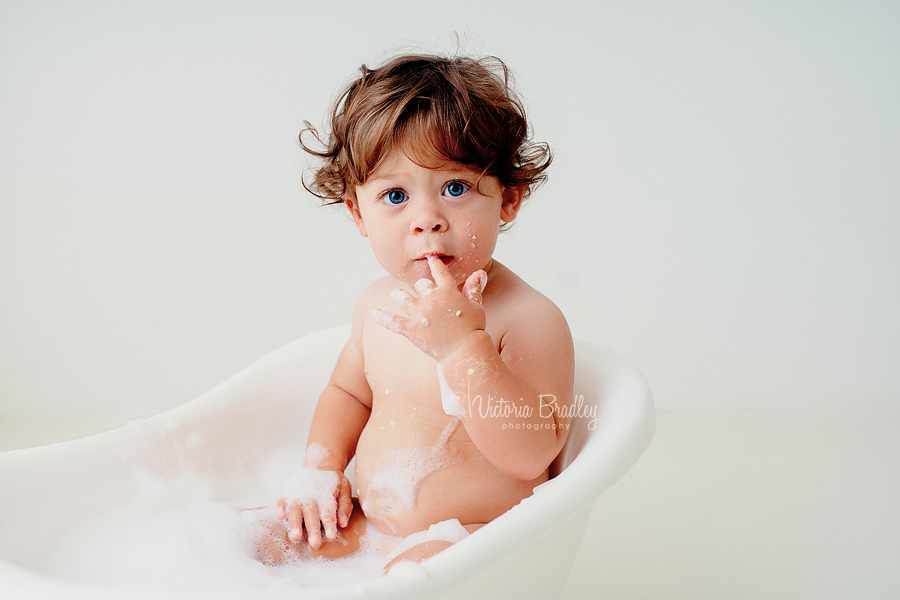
(398, 163)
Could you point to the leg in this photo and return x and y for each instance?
(426, 549)
(274, 547)
(348, 537)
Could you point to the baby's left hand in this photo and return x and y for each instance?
(441, 317)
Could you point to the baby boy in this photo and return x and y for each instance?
(452, 388)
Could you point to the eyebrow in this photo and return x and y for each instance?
(372, 178)
(455, 171)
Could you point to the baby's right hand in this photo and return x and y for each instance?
(315, 498)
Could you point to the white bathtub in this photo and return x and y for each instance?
(266, 409)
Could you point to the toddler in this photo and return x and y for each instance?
(453, 387)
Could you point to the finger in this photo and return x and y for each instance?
(313, 524)
(329, 520)
(295, 520)
(425, 286)
(406, 301)
(474, 286)
(440, 272)
(282, 510)
(345, 504)
(390, 321)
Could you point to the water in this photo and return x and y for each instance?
(178, 534)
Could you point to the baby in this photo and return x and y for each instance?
(453, 387)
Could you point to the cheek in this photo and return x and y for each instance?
(386, 248)
(480, 241)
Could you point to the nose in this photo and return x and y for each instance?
(429, 219)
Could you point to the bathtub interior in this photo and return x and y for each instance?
(253, 428)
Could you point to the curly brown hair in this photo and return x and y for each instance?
(435, 109)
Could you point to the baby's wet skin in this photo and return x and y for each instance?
(416, 465)
(411, 474)
(442, 315)
(417, 460)
(276, 547)
(409, 212)
(408, 416)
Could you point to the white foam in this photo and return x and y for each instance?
(482, 282)
(189, 529)
(315, 455)
(425, 286)
(310, 484)
(177, 534)
(173, 536)
(399, 296)
(385, 320)
(299, 568)
(450, 530)
(449, 401)
(395, 480)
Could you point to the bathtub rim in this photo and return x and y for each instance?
(627, 430)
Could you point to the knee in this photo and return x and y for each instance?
(348, 541)
(418, 553)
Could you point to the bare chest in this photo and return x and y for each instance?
(397, 370)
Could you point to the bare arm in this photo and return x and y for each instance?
(319, 493)
(512, 407)
(343, 408)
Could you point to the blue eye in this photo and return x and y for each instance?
(395, 196)
(456, 188)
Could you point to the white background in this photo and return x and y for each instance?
(723, 210)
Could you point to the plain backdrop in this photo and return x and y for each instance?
(723, 208)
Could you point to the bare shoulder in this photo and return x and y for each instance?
(524, 318)
(374, 296)
(511, 300)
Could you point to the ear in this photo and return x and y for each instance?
(357, 218)
(512, 202)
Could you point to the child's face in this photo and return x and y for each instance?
(408, 212)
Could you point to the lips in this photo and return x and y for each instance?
(445, 258)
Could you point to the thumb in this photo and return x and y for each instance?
(475, 285)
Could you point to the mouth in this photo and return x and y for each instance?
(445, 258)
